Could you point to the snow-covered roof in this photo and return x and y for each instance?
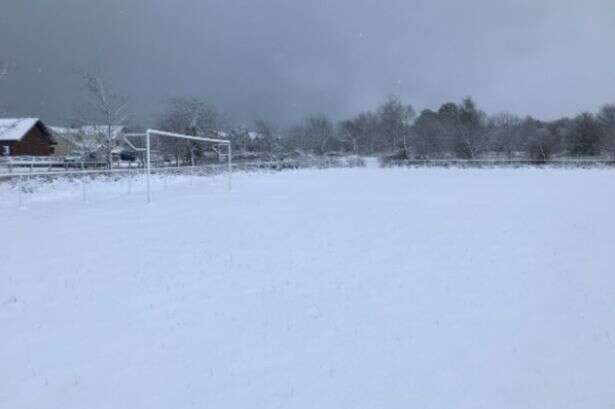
(254, 135)
(61, 131)
(116, 130)
(13, 129)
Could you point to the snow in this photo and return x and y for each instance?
(102, 130)
(13, 129)
(354, 288)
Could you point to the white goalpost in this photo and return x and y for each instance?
(154, 132)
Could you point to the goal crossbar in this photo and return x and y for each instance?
(150, 132)
(190, 137)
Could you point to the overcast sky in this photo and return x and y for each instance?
(282, 59)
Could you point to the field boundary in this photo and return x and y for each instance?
(496, 163)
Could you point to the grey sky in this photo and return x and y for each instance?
(281, 59)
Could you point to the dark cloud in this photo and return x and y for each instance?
(280, 59)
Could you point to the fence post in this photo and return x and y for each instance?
(20, 191)
(230, 167)
(83, 195)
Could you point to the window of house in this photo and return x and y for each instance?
(6, 150)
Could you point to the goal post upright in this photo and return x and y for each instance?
(150, 132)
(230, 165)
(149, 164)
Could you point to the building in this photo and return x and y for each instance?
(25, 137)
(66, 140)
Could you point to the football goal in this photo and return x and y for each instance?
(168, 148)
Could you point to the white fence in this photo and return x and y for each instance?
(16, 186)
(21, 181)
(12, 164)
(498, 162)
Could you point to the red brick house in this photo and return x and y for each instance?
(25, 136)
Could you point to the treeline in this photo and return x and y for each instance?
(457, 131)
(454, 130)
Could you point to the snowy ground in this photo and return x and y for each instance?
(356, 288)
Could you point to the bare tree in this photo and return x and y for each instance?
(361, 133)
(506, 133)
(190, 116)
(104, 105)
(396, 120)
(315, 134)
(320, 131)
(268, 141)
(4, 72)
(585, 135)
(606, 119)
(470, 130)
(542, 140)
(351, 133)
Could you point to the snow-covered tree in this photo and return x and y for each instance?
(505, 133)
(395, 122)
(106, 107)
(267, 139)
(585, 136)
(362, 133)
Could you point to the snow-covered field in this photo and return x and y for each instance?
(355, 288)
